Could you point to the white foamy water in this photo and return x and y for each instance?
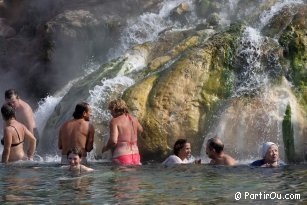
(252, 76)
(267, 15)
(148, 26)
(99, 98)
(227, 11)
(247, 123)
(101, 94)
(44, 110)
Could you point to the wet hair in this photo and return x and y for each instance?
(80, 109)
(179, 144)
(8, 112)
(216, 144)
(119, 106)
(10, 93)
(74, 150)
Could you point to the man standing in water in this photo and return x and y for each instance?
(214, 150)
(77, 132)
(23, 111)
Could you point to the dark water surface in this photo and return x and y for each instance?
(47, 183)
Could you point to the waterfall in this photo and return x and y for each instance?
(267, 15)
(148, 26)
(256, 111)
(252, 115)
(252, 76)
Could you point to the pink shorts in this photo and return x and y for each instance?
(129, 159)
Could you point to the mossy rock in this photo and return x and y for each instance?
(174, 102)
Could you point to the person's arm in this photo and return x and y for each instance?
(7, 145)
(113, 137)
(230, 161)
(32, 146)
(60, 146)
(29, 118)
(139, 127)
(90, 138)
(86, 169)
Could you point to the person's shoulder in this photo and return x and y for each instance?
(87, 169)
(257, 163)
(65, 167)
(172, 159)
(25, 105)
(229, 160)
(281, 163)
(66, 123)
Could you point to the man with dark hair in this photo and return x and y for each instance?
(23, 111)
(214, 150)
(77, 132)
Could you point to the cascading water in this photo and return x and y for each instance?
(145, 28)
(148, 26)
(244, 124)
(251, 76)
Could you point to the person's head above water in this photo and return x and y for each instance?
(74, 156)
(82, 110)
(75, 151)
(8, 112)
(12, 98)
(270, 152)
(265, 147)
(214, 145)
(215, 151)
(182, 148)
(118, 107)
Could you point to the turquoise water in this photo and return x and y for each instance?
(47, 183)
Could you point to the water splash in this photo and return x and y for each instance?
(249, 122)
(148, 26)
(102, 94)
(266, 16)
(251, 76)
(44, 110)
(228, 10)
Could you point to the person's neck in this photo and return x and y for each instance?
(273, 163)
(219, 156)
(75, 167)
(10, 121)
(181, 157)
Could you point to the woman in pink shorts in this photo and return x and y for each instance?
(124, 129)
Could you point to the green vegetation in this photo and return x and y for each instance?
(287, 131)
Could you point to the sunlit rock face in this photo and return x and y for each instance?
(187, 69)
(176, 101)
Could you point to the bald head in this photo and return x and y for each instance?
(216, 144)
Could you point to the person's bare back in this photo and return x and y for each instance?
(23, 112)
(124, 130)
(224, 160)
(78, 132)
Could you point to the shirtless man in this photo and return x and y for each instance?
(124, 129)
(77, 132)
(214, 150)
(23, 111)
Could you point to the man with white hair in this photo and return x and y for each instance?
(270, 156)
